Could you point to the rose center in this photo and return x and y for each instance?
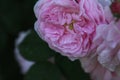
(77, 1)
(70, 25)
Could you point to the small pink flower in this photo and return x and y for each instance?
(68, 26)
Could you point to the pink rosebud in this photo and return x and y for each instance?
(68, 26)
(115, 6)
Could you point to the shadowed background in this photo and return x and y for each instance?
(15, 16)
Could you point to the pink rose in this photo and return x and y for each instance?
(104, 60)
(68, 26)
(107, 41)
(97, 72)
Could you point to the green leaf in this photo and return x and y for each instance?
(71, 69)
(43, 71)
(35, 49)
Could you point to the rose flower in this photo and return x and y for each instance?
(68, 26)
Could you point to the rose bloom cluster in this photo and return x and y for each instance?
(84, 30)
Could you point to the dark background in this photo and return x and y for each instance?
(15, 16)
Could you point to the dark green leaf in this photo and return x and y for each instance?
(35, 49)
(43, 71)
(71, 69)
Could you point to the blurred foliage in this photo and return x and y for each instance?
(43, 71)
(17, 16)
(71, 69)
(35, 49)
